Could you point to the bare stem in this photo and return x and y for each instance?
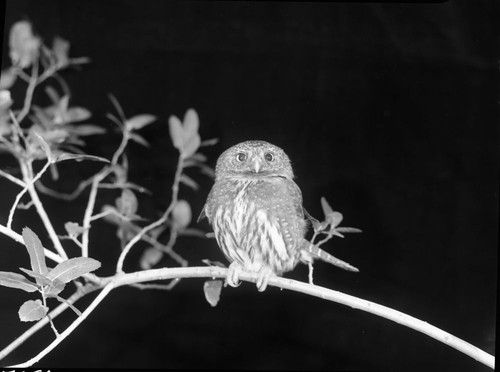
(90, 210)
(29, 93)
(11, 178)
(27, 183)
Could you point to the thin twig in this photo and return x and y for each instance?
(71, 196)
(11, 178)
(162, 287)
(89, 210)
(27, 182)
(33, 82)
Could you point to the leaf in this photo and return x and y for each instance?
(199, 157)
(191, 145)
(188, 181)
(139, 139)
(191, 123)
(150, 257)
(209, 142)
(55, 288)
(192, 232)
(8, 77)
(32, 311)
(60, 47)
(348, 230)
(74, 229)
(208, 262)
(24, 46)
(212, 290)
(68, 156)
(14, 280)
(41, 142)
(127, 203)
(326, 207)
(139, 121)
(77, 114)
(52, 93)
(181, 215)
(332, 217)
(35, 251)
(176, 132)
(73, 268)
(86, 129)
(40, 279)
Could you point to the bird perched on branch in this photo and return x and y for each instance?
(255, 209)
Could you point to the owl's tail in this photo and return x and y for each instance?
(311, 251)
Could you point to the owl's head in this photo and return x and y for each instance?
(253, 159)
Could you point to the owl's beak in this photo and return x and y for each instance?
(257, 165)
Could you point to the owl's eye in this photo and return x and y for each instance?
(269, 156)
(241, 157)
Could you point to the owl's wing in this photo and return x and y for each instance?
(297, 197)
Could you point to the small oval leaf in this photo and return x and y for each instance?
(176, 132)
(212, 290)
(181, 214)
(74, 229)
(139, 121)
(191, 123)
(127, 203)
(150, 257)
(32, 311)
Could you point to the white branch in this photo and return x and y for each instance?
(321, 292)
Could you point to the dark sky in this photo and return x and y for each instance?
(388, 110)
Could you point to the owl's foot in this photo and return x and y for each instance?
(234, 271)
(265, 274)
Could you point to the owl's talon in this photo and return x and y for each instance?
(264, 275)
(233, 274)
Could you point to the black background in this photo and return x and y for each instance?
(388, 110)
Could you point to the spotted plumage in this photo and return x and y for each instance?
(255, 209)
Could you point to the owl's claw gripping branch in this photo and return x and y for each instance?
(264, 275)
(233, 274)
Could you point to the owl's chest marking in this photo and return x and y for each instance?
(250, 222)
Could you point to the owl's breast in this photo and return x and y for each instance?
(257, 222)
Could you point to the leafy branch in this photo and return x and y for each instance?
(55, 133)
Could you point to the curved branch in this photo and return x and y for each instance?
(317, 291)
(122, 279)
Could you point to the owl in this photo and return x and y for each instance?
(255, 210)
